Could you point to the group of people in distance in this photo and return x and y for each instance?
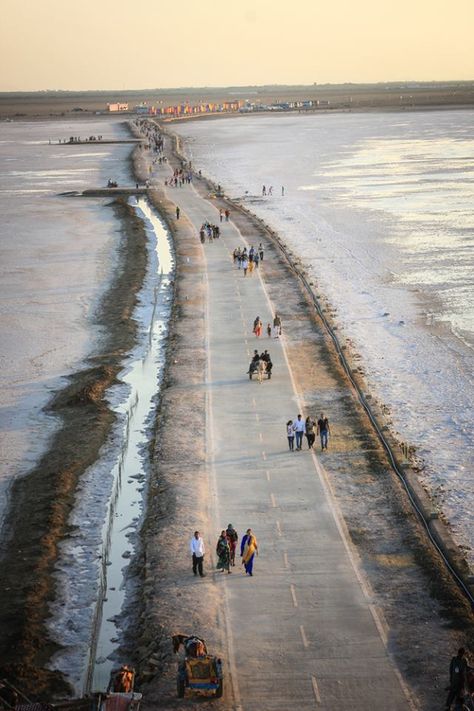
(296, 429)
(212, 232)
(247, 260)
(225, 550)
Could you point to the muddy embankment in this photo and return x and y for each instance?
(426, 616)
(41, 501)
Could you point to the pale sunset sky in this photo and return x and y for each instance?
(119, 44)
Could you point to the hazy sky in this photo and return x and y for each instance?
(118, 44)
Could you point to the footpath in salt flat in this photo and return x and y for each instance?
(302, 632)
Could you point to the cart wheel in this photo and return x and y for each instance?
(220, 689)
(181, 686)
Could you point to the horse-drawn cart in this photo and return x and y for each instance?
(200, 674)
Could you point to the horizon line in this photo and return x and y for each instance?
(196, 87)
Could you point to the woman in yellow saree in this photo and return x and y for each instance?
(248, 549)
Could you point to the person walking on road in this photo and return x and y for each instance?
(248, 550)
(290, 433)
(232, 537)
(223, 553)
(221, 215)
(276, 326)
(227, 215)
(198, 551)
(309, 426)
(269, 330)
(257, 327)
(260, 251)
(299, 428)
(178, 211)
(245, 264)
(323, 430)
(458, 669)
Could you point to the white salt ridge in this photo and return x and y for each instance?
(379, 207)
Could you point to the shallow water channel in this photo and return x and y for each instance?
(92, 575)
(130, 471)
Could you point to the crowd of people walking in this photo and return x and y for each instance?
(249, 259)
(225, 550)
(309, 428)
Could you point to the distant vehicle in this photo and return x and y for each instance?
(78, 108)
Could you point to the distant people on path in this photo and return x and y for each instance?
(248, 550)
(221, 214)
(265, 356)
(458, 670)
(269, 330)
(299, 429)
(290, 433)
(283, 191)
(178, 212)
(309, 426)
(254, 362)
(198, 551)
(260, 251)
(232, 537)
(323, 430)
(270, 190)
(245, 264)
(264, 191)
(227, 215)
(223, 553)
(257, 327)
(276, 326)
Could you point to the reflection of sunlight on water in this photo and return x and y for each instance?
(427, 186)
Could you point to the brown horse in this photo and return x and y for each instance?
(193, 646)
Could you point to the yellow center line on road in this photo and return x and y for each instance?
(285, 560)
(267, 474)
(303, 637)
(316, 693)
(260, 435)
(274, 504)
(264, 456)
(257, 417)
(278, 526)
(253, 402)
(293, 595)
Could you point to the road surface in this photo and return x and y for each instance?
(302, 632)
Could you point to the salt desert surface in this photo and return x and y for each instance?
(56, 257)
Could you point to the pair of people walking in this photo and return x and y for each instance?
(225, 549)
(227, 544)
(296, 429)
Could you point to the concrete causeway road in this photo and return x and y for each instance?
(302, 632)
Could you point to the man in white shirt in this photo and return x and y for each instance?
(299, 427)
(197, 551)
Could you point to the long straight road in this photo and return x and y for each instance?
(302, 632)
